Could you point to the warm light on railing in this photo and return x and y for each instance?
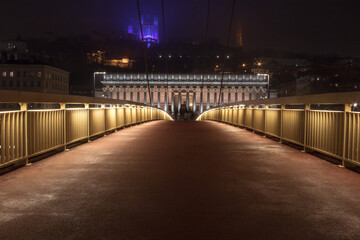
(27, 132)
(331, 132)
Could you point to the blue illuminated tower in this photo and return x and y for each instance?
(150, 30)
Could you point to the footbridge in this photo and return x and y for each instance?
(216, 178)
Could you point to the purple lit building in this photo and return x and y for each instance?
(150, 27)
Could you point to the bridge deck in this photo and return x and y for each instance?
(180, 180)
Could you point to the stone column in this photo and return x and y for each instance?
(187, 99)
(166, 99)
(125, 88)
(208, 98)
(172, 101)
(222, 98)
(158, 102)
(215, 97)
(229, 95)
(111, 91)
(117, 93)
(179, 102)
(145, 97)
(194, 99)
(151, 96)
(201, 99)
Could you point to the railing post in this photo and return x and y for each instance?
(114, 106)
(265, 112)
(307, 109)
(87, 107)
(254, 107)
(347, 109)
(245, 116)
(24, 107)
(63, 108)
(281, 122)
(102, 106)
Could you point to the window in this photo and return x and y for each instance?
(18, 83)
(11, 83)
(32, 84)
(18, 74)
(39, 84)
(25, 83)
(4, 74)
(11, 74)
(32, 74)
(4, 83)
(25, 74)
(39, 74)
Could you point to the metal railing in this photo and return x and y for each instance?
(29, 132)
(326, 123)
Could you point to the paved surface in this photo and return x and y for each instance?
(181, 180)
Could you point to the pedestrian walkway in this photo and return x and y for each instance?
(181, 180)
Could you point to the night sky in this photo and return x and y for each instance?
(309, 26)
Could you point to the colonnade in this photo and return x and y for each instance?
(195, 98)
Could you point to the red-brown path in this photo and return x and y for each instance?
(181, 180)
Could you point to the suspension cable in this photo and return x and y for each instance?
(145, 54)
(226, 50)
(205, 45)
(165, 53)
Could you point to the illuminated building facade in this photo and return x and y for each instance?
(192, 93)
(150, 27)
(96, 57)
(119, 63)
(34, 78)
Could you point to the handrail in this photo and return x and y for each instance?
(331, 132)
(37, 97)
(328, 98)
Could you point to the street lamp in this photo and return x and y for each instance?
(268, 82)
(97, 73)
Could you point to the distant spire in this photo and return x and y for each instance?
(239, 38)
